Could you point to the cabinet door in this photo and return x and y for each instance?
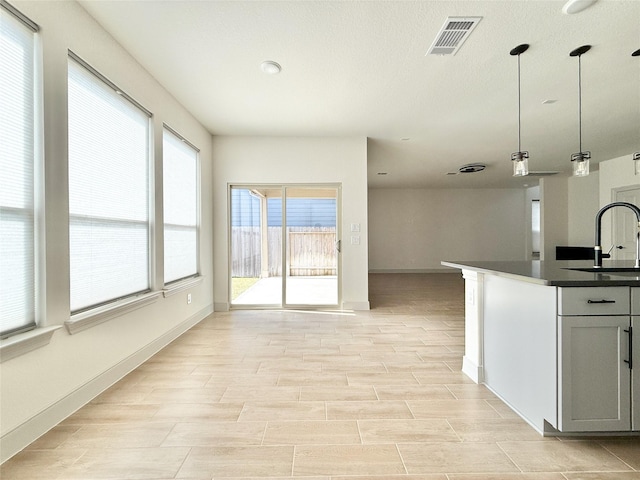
(635, 373)
(594, 381)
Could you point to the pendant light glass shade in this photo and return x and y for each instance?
(580, 160)
(519, 159)
(636, 163)
(520, 164)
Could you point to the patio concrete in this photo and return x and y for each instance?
(300, 291)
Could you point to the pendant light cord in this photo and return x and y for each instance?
(580, 100)
(519, 147)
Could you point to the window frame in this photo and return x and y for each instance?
(30, 214)
(85, 317)
(182, 283)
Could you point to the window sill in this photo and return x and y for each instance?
(25, 342)
(181, 286)
(82, 321)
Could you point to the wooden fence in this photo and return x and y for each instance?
(312, 251)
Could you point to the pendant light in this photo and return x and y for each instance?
(520, 159)
(580, 160)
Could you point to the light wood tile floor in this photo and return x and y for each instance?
(322, 396)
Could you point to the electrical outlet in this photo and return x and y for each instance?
(188, 298)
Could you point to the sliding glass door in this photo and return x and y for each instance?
(284, 246)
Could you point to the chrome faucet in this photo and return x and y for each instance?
(598, 248)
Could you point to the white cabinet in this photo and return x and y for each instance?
(635, 372)
(594, 376)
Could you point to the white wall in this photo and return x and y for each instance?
(42, 387)
(614, 173)
(415, 229)
(554, 201)
(587, 195)
(289, 160)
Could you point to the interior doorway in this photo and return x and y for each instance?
(284, 246)
(625, 224)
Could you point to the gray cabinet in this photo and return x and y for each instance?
(595, 385)
(635, 372)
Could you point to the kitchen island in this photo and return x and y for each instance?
(556, 344)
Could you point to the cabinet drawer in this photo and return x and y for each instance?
(594, 301)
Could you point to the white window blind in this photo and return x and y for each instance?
(17, 159)
(108, 191)
(180, 173)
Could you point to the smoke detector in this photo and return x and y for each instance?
(452, 35)
(469, 168)
(472, 168)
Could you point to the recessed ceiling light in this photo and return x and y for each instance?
(575, 6)
(382, 173)
(404, 139)
(549, 101)
(270, 67)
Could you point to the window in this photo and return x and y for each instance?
(180, 173)
(17, 164)
(109, 136)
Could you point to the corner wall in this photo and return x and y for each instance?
(554, 201)
(584, 203)
(295, 160)
(42, 387)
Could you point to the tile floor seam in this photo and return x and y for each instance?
(168, 433)
(612, 453)
(493, 408)
(509, 457)
(404, 465)
(175, 475)
(264, 433)
(460, 439)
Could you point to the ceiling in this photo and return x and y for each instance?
(359, 69)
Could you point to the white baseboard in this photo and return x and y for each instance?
(23, 435)
(221, 307)
(471, 370)
(356, 306)
(410, 270)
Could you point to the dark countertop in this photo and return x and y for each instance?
(553, 272)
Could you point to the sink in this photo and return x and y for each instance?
(626, 271)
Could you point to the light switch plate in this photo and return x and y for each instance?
(355, 227)
(355, 240)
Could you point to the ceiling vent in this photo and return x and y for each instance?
(452, 35)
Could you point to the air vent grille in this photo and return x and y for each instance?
(542, 173)
(452, 35)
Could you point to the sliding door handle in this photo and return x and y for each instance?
(339, 246)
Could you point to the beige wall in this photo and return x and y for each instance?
(416, 229)
(584, 203)
(295, 160)
(40, 388)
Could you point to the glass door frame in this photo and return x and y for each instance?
(285, 244)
